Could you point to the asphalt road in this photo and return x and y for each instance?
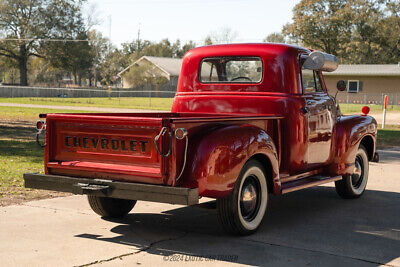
(312, 227)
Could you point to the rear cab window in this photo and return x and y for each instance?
(231, 70)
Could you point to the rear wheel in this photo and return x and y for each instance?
(243, 210)
(353, 186)
(111, 207)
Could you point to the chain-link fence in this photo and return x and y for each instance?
(368, 98)
(163, 92)
(112, 97)
(19, 91)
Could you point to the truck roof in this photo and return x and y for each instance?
(280, 68)
(254, 47)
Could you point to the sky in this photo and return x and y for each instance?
(250, 20)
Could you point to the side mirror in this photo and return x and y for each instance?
(341, 85)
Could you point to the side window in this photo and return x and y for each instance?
(311, 81)
(308, 81)
(318, 82)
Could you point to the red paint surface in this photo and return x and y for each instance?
(227, 124)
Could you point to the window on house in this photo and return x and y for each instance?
(353, 86)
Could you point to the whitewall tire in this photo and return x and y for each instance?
(243, 210)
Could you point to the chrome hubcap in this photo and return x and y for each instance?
(357, 176)
(250, 200)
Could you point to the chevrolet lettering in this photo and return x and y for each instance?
(103, 143)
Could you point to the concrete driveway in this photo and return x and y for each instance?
(313, 227)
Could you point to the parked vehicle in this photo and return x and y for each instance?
(248, 120)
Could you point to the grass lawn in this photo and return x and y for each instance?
(19, 153)
(16, 158)
(156, 103)
(18, 114)
(356, 108)
(388, 137)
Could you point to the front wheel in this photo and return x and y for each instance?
(111, 207)
(353, 186)
(242, 211)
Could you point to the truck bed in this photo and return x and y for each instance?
(122, 147)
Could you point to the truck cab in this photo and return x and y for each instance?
(248, 120)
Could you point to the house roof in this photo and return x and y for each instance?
(171, 66)
(366, 70)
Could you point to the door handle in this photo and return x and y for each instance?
(305, 110)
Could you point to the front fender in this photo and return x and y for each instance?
(350, 130)
(218, 157)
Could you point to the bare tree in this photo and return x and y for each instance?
(221, 36)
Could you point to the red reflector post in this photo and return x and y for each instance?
(365, 110)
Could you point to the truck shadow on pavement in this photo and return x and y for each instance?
(305, 227)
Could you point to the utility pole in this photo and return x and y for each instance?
(109, 33)
(138, 39)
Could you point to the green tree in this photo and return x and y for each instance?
(320, 24)
(163, 48)
(362, 44)
(42, 73)
(8, 70)
(76, 57)
(114, 62)
(119, 59)
(135, 47)
(208, 40)
(99, 47)
(138, 48)
(144, 75)
(275, 37)
(23, 23)
(358, 31)
(185, 48)
(388, 36)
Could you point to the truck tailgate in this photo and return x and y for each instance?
(104, 146)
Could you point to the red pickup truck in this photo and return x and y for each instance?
(248, 120)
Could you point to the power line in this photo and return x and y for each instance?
(46, 40)
(239, 40)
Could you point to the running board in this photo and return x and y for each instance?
(302, 183)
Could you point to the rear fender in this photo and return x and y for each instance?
(350, 131)
(218, 157)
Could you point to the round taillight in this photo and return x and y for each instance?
(180, 133)
(40, 125)
(365, 110)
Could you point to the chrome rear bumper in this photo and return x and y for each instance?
(114, 189)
